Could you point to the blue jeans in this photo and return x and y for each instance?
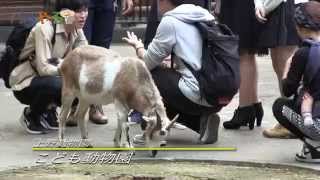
(100, 22)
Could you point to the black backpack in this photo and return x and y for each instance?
(15, 43)
(219, 76)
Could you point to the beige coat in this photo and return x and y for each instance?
(39, 48)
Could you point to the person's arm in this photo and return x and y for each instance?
(271, 5)
(258, 3)
(292, 81)
(127, 7)
(136, 43)
(160, 47)
(43, 49)
(81, 39)
(264, 7)
(260, 11)
(217, 7)
(267, 5)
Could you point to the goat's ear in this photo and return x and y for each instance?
(172, 122)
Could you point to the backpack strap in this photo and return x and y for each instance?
(53, 40)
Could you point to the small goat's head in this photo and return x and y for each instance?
(157, 129)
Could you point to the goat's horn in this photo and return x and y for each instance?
(172, 122)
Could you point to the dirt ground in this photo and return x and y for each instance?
(157, 171)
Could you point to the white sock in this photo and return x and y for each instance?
(307, 118)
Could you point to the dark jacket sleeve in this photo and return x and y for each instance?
(297, 67)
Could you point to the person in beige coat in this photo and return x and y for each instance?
(36, 82)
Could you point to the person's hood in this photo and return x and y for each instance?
(190, 13)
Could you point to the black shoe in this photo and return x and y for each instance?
(242, 117)
(30, 125)
(259, 112)
(209, 128)
(49, 119)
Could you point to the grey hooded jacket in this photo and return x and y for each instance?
(176, 33)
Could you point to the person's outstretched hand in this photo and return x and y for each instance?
(127, 7)
(133, 40)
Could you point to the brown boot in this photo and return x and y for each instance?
(96, 115)
(278, 131)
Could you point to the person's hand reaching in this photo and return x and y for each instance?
(133, 40)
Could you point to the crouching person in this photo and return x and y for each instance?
(301, 115)
(178, 86)
(36, 81)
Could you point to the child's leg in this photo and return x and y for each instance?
(306, 108)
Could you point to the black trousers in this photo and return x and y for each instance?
(175, 102)
(288, 114)
(42, 91)
(100, 22)
(154, 19)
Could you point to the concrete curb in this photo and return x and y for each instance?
(289, 167)
(231, 163)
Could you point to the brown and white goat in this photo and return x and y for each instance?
(97, 75)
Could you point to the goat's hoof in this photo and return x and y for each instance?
(89, 146)
(116, 145)
(60, 144)
(125, 145)
(85, 143)
(154, 153)
(133, 151)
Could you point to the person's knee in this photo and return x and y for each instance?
(56, 86)
(277, 108)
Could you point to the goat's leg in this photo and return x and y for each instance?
(122, 125)
(125, 135)
(83, 122)
(65, 109)
(117, 134)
